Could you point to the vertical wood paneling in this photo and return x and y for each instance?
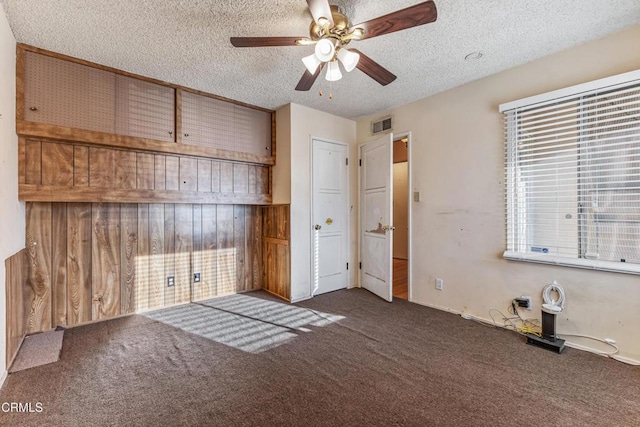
(240, 178)
(157, 280)
(160, 172)
(90, 262)
(102, 167)
(125, 169)
(169, 254)
(204, 175)
(262, 180)
(196, 254)
(215, 176)
(57, 164)
(33, 162)
(16, 272)
(141, 286)
(226, 177)
(188, 174)
(38, 245)
(226, 257)
(145, 176)
(22, 160)
(276, 250)
(183, 249)
(251, 179)
(59, 263)
(209, 252)
(80, 166)
(79, 292)
(239, 246)
(105, 260)
(128, 254)
(172, 173)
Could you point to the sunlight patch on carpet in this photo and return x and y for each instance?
(247, 323)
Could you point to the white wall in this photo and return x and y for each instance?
(11, 211)
(292, 182)
(459, 224)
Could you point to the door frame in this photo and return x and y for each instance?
(398, 135)
(410, 203)
(312, 282)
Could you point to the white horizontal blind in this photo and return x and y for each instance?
(573, 179)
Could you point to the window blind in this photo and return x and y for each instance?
(573, 176)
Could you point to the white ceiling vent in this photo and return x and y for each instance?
(381, 126)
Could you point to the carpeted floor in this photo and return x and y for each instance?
(345, 359)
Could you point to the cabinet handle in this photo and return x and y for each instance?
(33, 108)
(170, 132)
(186, 135)
(267, 148)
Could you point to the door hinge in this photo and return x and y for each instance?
(360, 162)
(347, 266)
(360, 266)
(347, 159)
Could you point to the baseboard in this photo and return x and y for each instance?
(619, 358)
(295, 300)
(3, 378)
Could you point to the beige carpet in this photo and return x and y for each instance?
(37, 350)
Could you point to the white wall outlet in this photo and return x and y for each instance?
(439, 283)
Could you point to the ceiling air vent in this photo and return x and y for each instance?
(380, 126)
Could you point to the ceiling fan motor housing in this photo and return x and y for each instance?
(340, 28)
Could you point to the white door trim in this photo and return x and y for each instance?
(410, 203)
(347, 211)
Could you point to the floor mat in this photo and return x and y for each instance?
(37, 350)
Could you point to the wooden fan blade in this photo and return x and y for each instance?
(413, 16)
(374, 70)
(264, 41)
(320, 9)
(309, 79)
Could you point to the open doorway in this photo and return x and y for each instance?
(401, 217)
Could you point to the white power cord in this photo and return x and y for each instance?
(546, 295)
(607, 341)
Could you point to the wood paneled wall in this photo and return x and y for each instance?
(276, 250)
(16, 276)
(71, 172)
(94, 261)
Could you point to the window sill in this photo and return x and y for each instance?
(617, 267)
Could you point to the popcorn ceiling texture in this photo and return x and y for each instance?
(187, 42)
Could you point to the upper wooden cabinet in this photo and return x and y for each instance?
(65, 93)
(68, 99)
(211, 122)
(144, 109)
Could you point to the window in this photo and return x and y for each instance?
(573, 176)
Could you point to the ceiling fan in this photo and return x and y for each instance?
(331, 31)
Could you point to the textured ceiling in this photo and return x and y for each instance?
(187, 42)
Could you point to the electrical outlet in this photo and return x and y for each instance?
(439, 283)
(196, 277)
(416, 196)
(171, 281)
(524, 301)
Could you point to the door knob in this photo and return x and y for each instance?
(318, 227)
(388, 227)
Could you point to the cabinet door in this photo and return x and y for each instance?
(64, 93)
(144, 109)
(214, 123)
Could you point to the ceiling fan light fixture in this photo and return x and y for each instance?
(311, 62)
(349, 59)
(325, 50)
(333, 72)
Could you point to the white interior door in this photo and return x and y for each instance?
(376, 216)
(330, 238)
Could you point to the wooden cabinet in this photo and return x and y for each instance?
(144, 109)
(219, 124)
(64, 93)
